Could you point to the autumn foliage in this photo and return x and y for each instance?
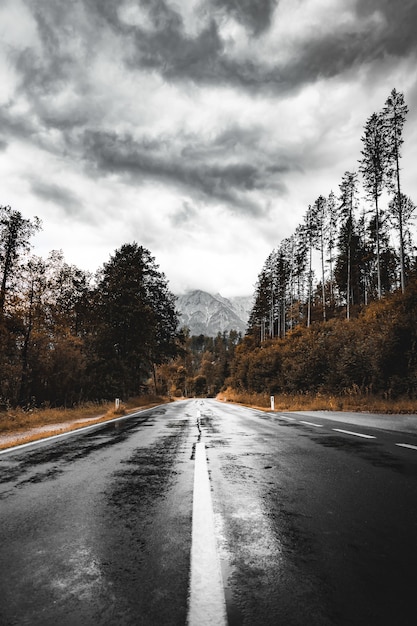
(68, 337)
(374, 354)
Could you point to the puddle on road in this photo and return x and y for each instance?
(234, 615)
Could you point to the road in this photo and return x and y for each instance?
(314, 520)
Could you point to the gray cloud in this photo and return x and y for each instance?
(202, 58)
(58, 195)
(44, 73)
(352, 46)
(15, 124)
(168, 49)
(400, 20)
(234, 163)
(179, 57)
(256, 16)
(68, 40)
(109, 152)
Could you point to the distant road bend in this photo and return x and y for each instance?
(200, 513)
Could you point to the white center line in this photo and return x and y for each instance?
(406, 445)
(349, 432)
(290, 419)
(311, 424)
(207, 604)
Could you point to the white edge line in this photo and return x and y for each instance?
(406, 445)
(311, 424)
(20, 446)
(349, 432)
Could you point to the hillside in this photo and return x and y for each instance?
(207, 314)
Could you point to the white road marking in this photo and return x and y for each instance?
(289, 419)
(406, 445)
(20, 446)
(349, 432)
(311, 424)
(68, 433)
(207, 604)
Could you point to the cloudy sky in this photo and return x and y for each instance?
(201, 129)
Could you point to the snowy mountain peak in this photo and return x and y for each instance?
(207, 314)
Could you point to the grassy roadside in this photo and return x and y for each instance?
(320, 402)
(18, 426)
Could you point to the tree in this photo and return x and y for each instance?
(33, 308)
(394, 113)
(311, 237)
(15, 233)
(331, 239)
(262, 305)
(348, 189)
(298, 271)
(135, 322)
(70, 293)
(401, 209)
(319, 217)
(373, 167)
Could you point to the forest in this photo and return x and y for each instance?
(335, 305)
(355, 327)
(68, 337)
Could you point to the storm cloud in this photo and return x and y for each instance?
(223, 169)
(225, 117)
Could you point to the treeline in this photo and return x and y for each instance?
(372, 354)
(351, 248)
(201, 368)
(67, 336)
(353, 328)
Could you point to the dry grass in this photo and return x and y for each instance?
(319, 402)
(18, 426)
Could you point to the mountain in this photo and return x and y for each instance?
(205, 314)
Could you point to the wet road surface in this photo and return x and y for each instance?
(315, 520)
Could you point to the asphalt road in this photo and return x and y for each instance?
(315, 519)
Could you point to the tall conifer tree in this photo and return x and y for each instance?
(394, 113)
(373, 167)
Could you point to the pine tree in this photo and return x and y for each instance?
(332, 219)
(401, 212)
(311, 237)
(394, 113)
(260, 315)
(135, 321)
(373, 166)
(348, 190)
(319, 217)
